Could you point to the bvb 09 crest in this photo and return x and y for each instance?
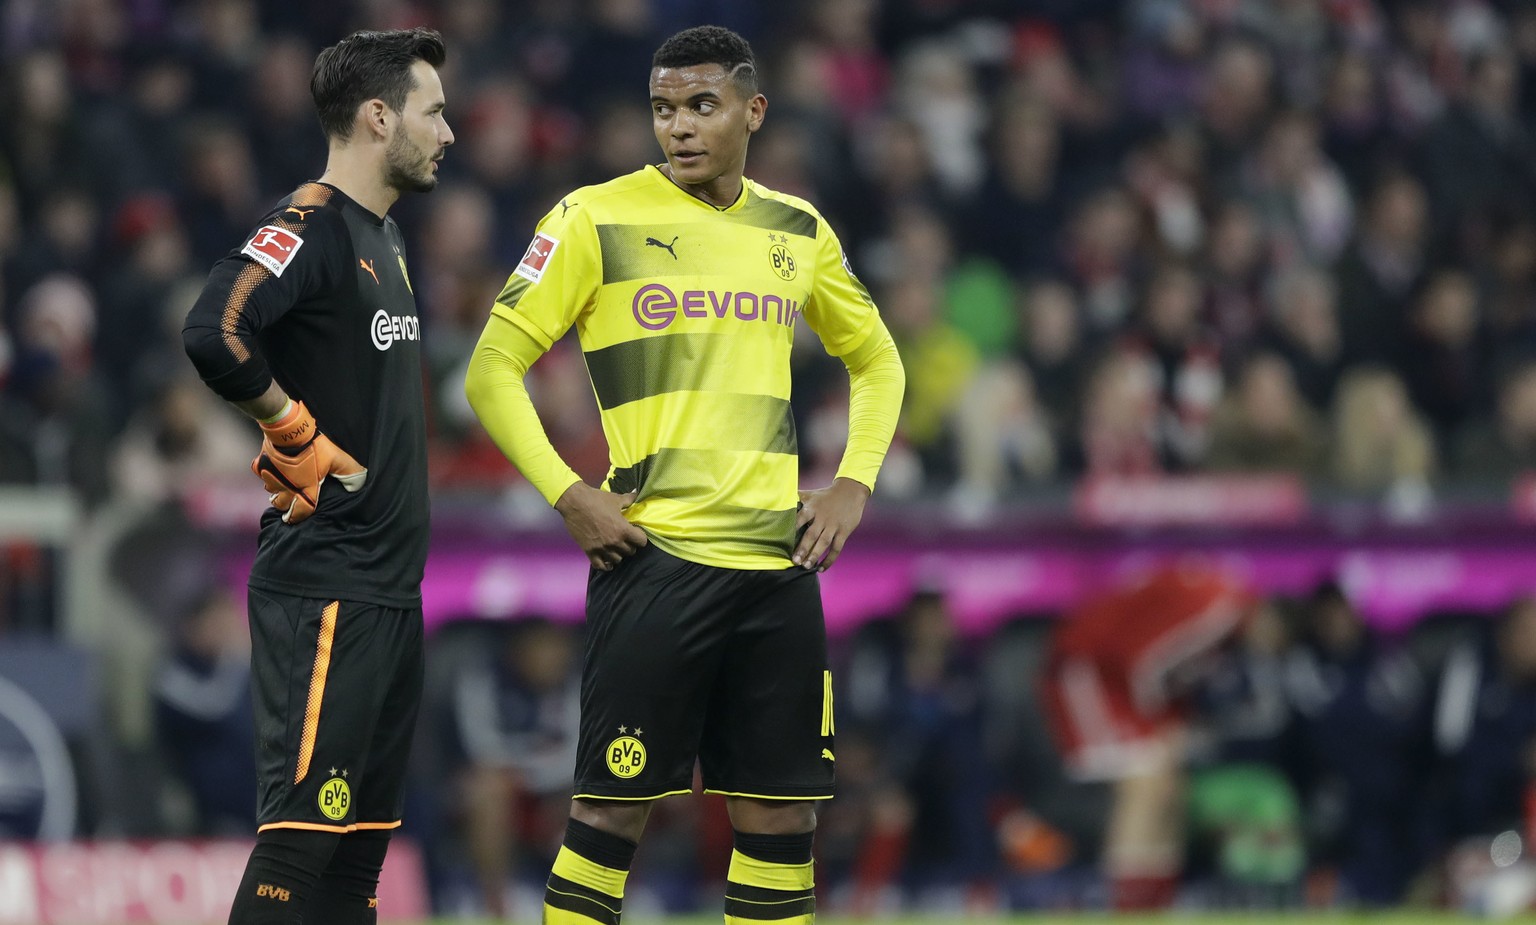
(335, 798)
(626, 757)
(782, 261)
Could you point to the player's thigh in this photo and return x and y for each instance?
(770, 726)
(655, 632)
(399, 668)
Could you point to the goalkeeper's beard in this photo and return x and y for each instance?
(406, 168)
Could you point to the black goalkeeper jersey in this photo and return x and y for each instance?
(318, 298)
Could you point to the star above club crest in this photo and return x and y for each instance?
(333, 772)
(343, 772)
(623, 729)
(639, 731)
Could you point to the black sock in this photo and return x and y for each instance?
(347, 893)
(282, 871)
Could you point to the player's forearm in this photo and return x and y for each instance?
(237, 375)
(496, 391)
(267, 407)
(876, 383)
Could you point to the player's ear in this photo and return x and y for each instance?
(757, 109)
(375, 115)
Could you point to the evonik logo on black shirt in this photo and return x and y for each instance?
(386, 329)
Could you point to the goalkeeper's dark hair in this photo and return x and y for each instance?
(369, 65)
(711, 45)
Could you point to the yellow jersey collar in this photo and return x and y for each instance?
(741, 198)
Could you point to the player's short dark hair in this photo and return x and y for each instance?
(369, 65)
(711, 45)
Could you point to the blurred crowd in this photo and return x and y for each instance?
(1111, 238)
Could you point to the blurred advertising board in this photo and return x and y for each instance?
(160, 882)
(1397, 562)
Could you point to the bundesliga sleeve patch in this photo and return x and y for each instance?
(273, 248)
(531, 267)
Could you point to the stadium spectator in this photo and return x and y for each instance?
(220, 197)
(1304, 329)
(1509, 275)
(1479, 154)
(1021, 193)
(59, 390)
(1099, 255)
(910, 697)
(1265, 426)
(1355, 129)
(515, 711)
(1245, 815)
(1117, 435)
(1183, 360)
(1306, 208)
(182, 442)
(942, 362)
(280, 124)
(1235, 264)
(203, 714)
(1485, 729)
(1236, 96)
(149, 260)
(43, 145)
(1050, 346)
(1003, 437)
(1379, 273)
(1503, 445)
(1444, 357)
(1380, 443)
(1117, 694)
(1362, 748)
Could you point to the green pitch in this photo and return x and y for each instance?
(1092, 919)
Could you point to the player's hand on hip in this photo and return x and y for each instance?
(595, 520)
(296, 458)
(829, 516)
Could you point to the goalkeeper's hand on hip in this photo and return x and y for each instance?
(295, 458)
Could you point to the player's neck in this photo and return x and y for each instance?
(361, 178)
(720, 192)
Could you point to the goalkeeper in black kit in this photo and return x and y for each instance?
(309, 326)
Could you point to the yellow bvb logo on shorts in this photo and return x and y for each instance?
(335, 798)
(626, 757)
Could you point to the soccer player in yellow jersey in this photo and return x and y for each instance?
(706, 640)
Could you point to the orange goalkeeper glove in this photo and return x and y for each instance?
(295, 458)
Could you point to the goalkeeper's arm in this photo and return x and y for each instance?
(239, 299)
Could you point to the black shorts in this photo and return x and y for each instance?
(688, 661)
(337, 688)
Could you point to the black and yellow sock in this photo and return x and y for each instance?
(587, 884)
(772, 879)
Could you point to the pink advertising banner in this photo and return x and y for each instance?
(171, 882)
(986, 585)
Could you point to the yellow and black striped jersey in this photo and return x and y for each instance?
(686, 315)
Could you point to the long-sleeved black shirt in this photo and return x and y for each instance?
(319, 299)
